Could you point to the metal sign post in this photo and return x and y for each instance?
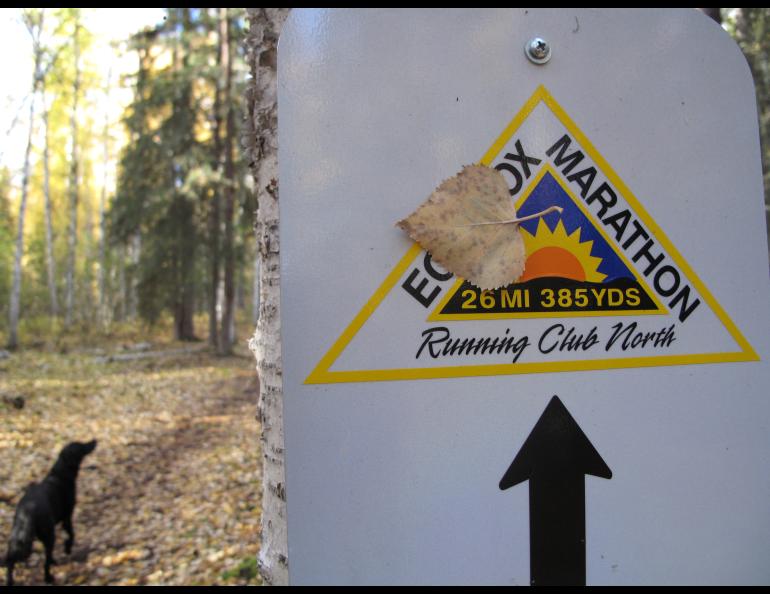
(633, 348)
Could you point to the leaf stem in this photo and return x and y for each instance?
(517, 221)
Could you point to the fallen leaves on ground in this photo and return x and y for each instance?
(171, 493)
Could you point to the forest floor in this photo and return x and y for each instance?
(171, 495)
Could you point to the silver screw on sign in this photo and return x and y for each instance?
(538, 50)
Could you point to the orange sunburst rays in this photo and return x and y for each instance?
(559, 254)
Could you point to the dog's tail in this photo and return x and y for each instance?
(22, 535)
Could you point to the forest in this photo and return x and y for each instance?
(133, 271)
(136, 216)
(146, 215)
(127, 270)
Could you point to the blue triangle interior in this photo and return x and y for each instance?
(547, 193)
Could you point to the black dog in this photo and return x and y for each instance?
(43, 506)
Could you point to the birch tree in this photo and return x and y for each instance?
(262, 143)
(103, 310)
(214, 216)
(49, 237)
(72, 233)
(226, 333)
(34, 24)
(7, 236)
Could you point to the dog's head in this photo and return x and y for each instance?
(73, 453)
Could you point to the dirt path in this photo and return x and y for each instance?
(171, 494)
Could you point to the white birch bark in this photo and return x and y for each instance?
(14, 308)
(132, 295)
(122, 310)
(104, 318)
(73, 188)
(227, 330)
(262, 143)
(255, 289)
(49, 238)
(214, 205)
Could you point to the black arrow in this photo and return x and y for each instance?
(555, 459)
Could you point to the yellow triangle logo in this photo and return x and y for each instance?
(606, 288)
(573, 268)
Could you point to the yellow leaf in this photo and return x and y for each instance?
(123, 556)
(469, 226)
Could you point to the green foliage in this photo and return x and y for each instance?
(246, 571)
(57, 74)
(166, 158)
(7, 233)
(34, 290)
(169, 173)
(751, 29)
(153, 198)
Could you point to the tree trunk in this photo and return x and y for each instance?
(122, 286)
(750, 26)
(104, 317)
(49, 238)
(255, 288)
(14, 309)
(15, 300)
(226, 332)
(73, 186)
(184, 311)
(214, 207)
(135, 257)
(262, 142)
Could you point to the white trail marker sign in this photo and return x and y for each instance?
(643, 305)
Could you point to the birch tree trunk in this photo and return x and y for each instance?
(132, 294)
(122, 309)
(103, 315)
(255, 288)
(262, 143)
(226, 331)
(73, 186)
(14, 309)
(35, 30)
(214, 207)
(50, 261)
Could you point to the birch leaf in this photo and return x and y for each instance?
(469, 226)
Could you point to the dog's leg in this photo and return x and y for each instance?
(67, 523)
(49, 560)
(49, 539)
(9, 574)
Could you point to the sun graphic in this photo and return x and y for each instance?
(554, 253)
